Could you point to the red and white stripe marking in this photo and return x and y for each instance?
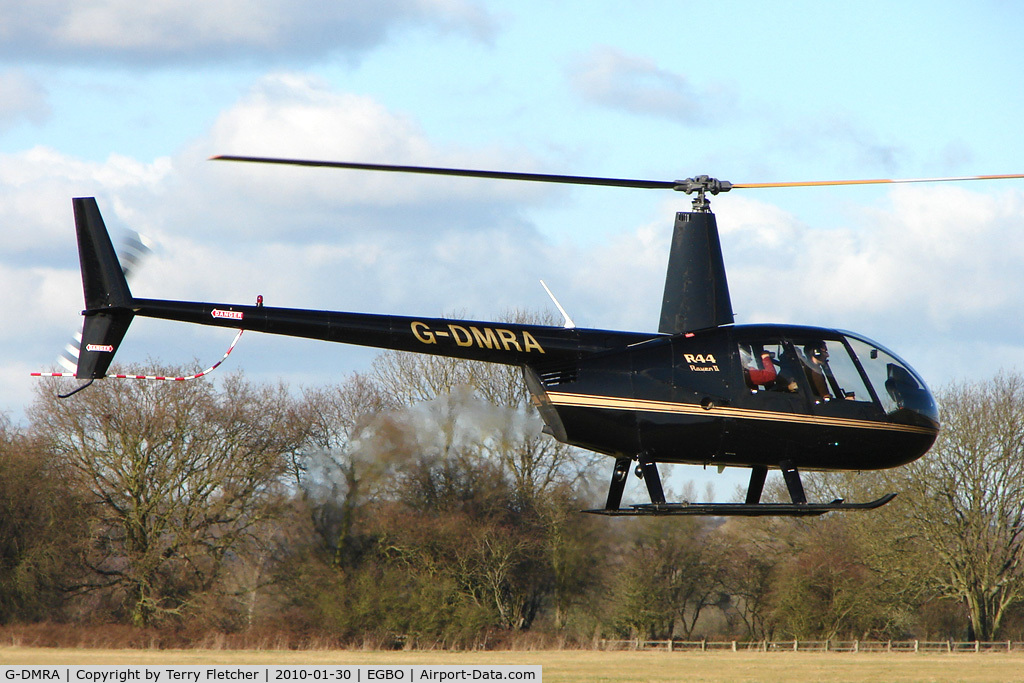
(156, 377)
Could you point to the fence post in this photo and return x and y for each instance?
(765, 645)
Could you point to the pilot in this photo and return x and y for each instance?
(816, 355)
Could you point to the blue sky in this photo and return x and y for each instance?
(125, 102)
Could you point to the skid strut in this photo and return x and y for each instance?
(758, 474)
(792, 477)
(649, 468)
(619, 476)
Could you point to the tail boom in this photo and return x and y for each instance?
(506, 343)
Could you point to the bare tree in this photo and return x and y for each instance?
(752, 551)
(576, 547)
(181, 477)
(41, 521)
(823, 587)
(669, 575)
(965, 499)
(334, 473)
(897, 561)
(494, 398)
(474, 448)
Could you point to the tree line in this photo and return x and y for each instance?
(418, 504)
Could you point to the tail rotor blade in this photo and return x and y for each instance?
(132, 251)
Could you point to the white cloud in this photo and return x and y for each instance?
(36, 187)
(21, 99)
(612, 78)
(297, 116)
(187, 31)
(621, 282)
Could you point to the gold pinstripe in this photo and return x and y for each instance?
(647, 406)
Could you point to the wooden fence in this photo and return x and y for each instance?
(928, 646)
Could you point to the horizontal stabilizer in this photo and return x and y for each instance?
(101, 336)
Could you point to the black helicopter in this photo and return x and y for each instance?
(700, 391)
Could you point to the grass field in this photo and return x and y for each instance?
(597, 667)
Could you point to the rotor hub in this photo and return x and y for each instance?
(701, 185)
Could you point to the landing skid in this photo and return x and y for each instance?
(647, 469)
(742, 509)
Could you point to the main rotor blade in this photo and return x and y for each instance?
(469, 173)
(696, 184)
(879, 181)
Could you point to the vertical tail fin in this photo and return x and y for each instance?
(108, 300)
(696, 289)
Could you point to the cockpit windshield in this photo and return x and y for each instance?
(896, 385)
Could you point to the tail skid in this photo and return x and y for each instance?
(181, 378)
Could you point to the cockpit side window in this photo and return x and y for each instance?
(831, 372)
(767, 366)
